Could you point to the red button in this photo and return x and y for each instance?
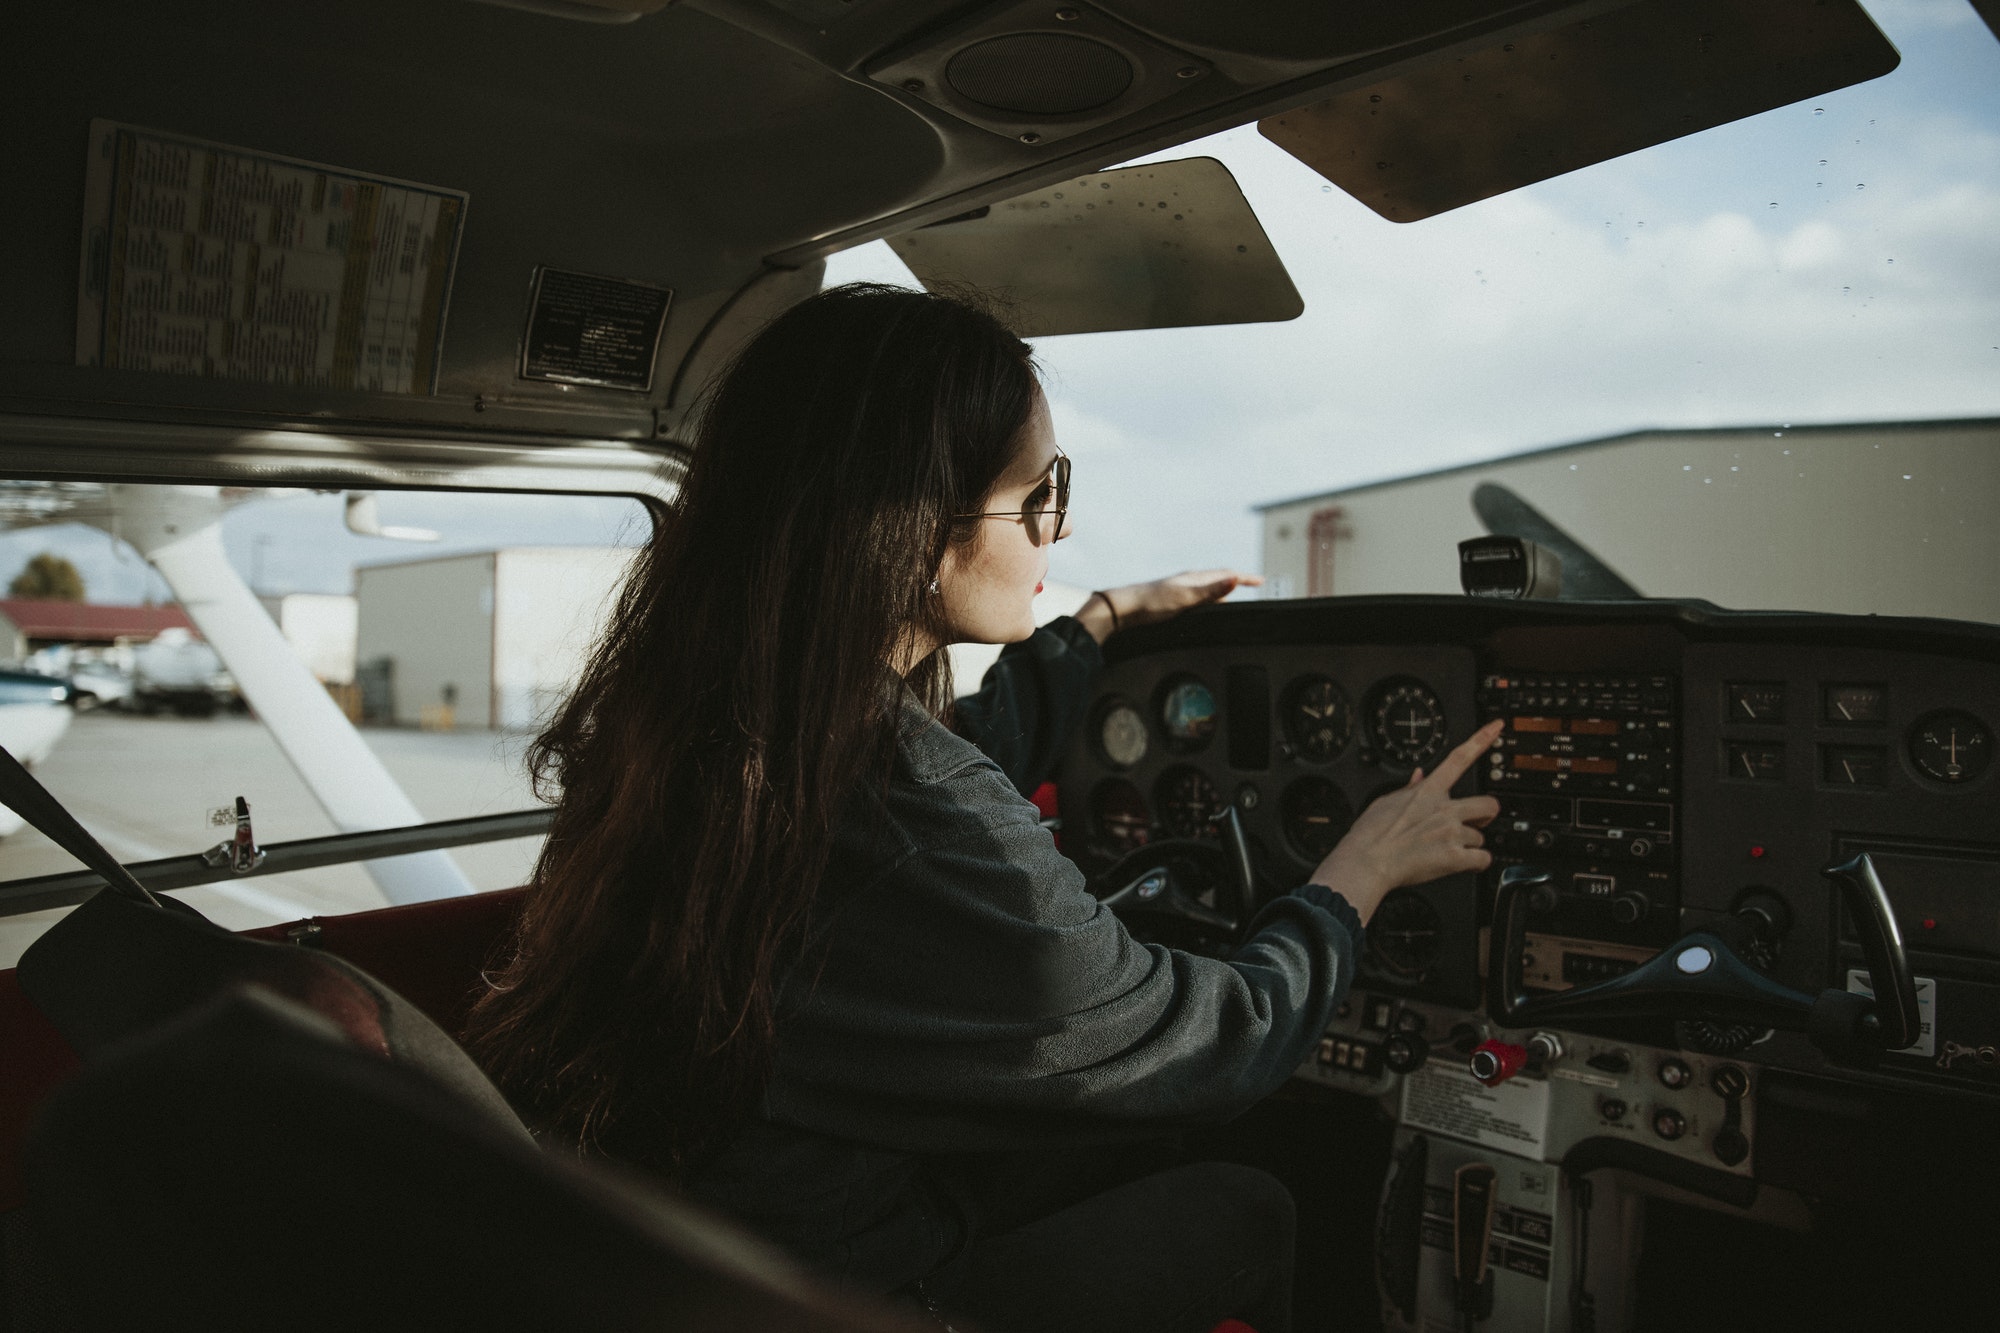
(1494, 1062)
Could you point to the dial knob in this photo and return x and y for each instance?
(1405, 1052)
(1629, 909)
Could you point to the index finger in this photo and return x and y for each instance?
(1453, 766)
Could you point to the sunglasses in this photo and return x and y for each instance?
(1052, 496)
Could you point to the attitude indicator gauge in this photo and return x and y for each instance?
(1187, 714)
(1408, 722)
(1318, 718)
(1951, 746)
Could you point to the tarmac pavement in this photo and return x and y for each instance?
(145, 787)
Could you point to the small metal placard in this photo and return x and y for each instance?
(587, 329)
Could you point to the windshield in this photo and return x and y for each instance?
(1738, 332)
(155, 677)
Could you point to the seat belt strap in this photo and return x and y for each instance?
(28, 798)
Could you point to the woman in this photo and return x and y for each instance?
(806, 952)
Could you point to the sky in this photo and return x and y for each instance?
(1834, 260)
(1727, 278)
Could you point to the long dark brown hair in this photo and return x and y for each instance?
(736, 704)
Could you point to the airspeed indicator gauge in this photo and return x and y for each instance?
(1408, 722)
(1951, 746)
(1318, 718)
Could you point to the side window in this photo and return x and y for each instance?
(343, 661)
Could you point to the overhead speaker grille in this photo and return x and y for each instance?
(1039, 71)
(1040, 74)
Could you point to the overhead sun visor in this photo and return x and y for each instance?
(1162, 246)
(1489, 121)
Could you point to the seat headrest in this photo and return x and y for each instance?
(243, 1165)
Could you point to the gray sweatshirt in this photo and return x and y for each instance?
(967, 995)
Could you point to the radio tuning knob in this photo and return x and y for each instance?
(1629, 909)
(1405, 1052)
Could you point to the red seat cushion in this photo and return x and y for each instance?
(430, 953)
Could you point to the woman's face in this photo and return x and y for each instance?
(989, 584)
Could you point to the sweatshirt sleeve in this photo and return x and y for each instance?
(1031, 701)
(980, 999)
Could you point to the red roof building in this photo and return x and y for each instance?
(28, 623)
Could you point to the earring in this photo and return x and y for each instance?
(934, 586)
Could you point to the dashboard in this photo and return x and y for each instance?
(1672, 765)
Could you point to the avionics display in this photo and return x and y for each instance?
(1587, 773)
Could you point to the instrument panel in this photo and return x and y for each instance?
(1670, 763)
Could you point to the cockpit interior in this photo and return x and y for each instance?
(1714, 1043)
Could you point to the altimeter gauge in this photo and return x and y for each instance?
(1318, 718)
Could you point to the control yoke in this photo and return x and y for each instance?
(1163, 880)
(1702, 975)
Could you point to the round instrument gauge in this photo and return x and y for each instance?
(1951, 746)
(1187, 803)
(1315, 816)
(1408, 722)
(1187, 714)
(1318, 718)
(1121, 733)
(1404, 934)
(1118, 815)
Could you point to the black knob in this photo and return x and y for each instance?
(1405, 1052)
(1675, 1073)
(1629, 909)
(1611, 1108)
(1669, 1124)
(1769, 915)
(1729, 1082)
(1545, 838)
(1731, 1145)
(1641, 848)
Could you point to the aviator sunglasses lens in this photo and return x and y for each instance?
(1036, 512)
